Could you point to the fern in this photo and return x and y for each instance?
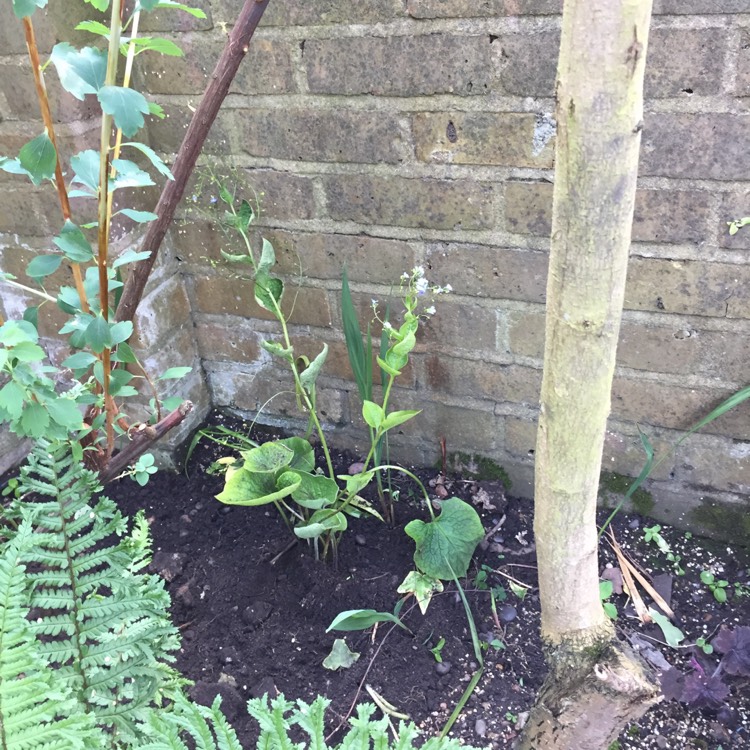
(102, 627)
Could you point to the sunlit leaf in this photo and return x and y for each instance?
(361, 619)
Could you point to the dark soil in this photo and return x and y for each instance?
(253, 611)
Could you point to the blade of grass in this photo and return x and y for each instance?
(353, 337)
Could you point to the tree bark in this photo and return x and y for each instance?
(595, 685)
(192, 144)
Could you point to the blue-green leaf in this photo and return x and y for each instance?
(79, 361)
(153, 157)
(130, 256)
(129, 174)
(155, 44)
(34, 420)
(14, 332)
(43, 265)
(151, 5)
(119, 332)
(100, 5)
(39, 158)
(98, 335)
(25, 8)
(141, 217)
(174, 373)
(126, 106)
(95, 27)
(310, 374)
(65, 412)
(85, 166)
(73, 243)
(81, 72)
(11, 399)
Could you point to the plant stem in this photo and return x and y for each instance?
(44, 107)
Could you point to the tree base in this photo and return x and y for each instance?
(588, 699)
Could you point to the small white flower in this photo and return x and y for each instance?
(374, 302)
(421, 286)
(418, 271)
(405, 276)
(430, 310)
(214, 199)
(447, 288)
(387, 326)
(195, 199)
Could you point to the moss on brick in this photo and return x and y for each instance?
(727, 522)
(474, 466)
(641, 500)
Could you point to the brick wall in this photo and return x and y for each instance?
(389, 133)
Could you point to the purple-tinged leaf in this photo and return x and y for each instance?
(735, 645)
(672, 684)
(704, 691)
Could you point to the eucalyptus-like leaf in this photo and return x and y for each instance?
(155, 44)
(43, 265)
(38, 158)
(128, 174)
(94, 27)
(130, 256)
(174, 373)
(153, 157)
(98, 335)
(74, 244)
(126, 106)
(171, 4)
(140, 217)
(26, 8)
(80, 72)
(119, 332)
(85, 166)
(65, 412)
(79, 361)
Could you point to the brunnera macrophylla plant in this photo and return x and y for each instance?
(32, 400)
(315, 502)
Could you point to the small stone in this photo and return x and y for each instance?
(185, 518)
(257, 612)
(355, 468)
(443, 667)
(360, 540)
(263, 687)
(634, 524)
(473, 666)
(199, 506)
(226, 510)
(507, 613)
(480, 727)
(498, 539)
(169, 564)
(662, 742)
(184, 533)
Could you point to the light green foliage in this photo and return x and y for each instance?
(605, 592)
(717, 586)
(737, 224)
(341, 657)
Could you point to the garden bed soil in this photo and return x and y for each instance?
(253, 610)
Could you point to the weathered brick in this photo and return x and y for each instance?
(267, 68)
(650, 402)
(501, 383)
(458, 326)
(680, 62)
(321, 135)
(504, 139)
(660, 215)
(218, 295)
(399, 201)
(170, 19)
(742, 83)
(282, 195)
(688, 287)
(219, 341)
(163, 309)
(685, 61)
(481, 8)
(323, 256)
(166, 135)
(690, 7)
(319, 12)
(480, 271)
(12, 40)
(526, 334)
(734, 206)
(527, 62)
(29, 211)
(700, 146)
(395, 65)
(708, 462)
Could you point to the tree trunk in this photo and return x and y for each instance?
(595, 684)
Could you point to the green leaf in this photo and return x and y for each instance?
(268, 291)
(95, 27)
(444, 546)
(174, 373)
(387, 367)
(73, 243)
(249, 488)
(155, 110)
(129, 174)
(80, 72)
(195, 12)
(79, 361)
(278, 350)
(304, 457)
(605, 589)
(153, 157)
(373, 414)
(25, 8)
(361, 619)
(268, 458)
(340, 657)
(245, 216)
(315, 491)
(66, 413)
(124, 354)
(267, 257)
(155, 44)
(98, 335)
(34, 420)
(31, 315)
(422, 586)
(85, 166)
(119, 332)
(39, 158)
(357, 482)
(126, 106)
(12, 397)
(14, 332)
(118, 383)
(672, 634)
(130, 256)
(321, 522)
(396, 418)
(141, 217)
(28, 352)
(43, 265)
(310, 374)
(100, 5)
